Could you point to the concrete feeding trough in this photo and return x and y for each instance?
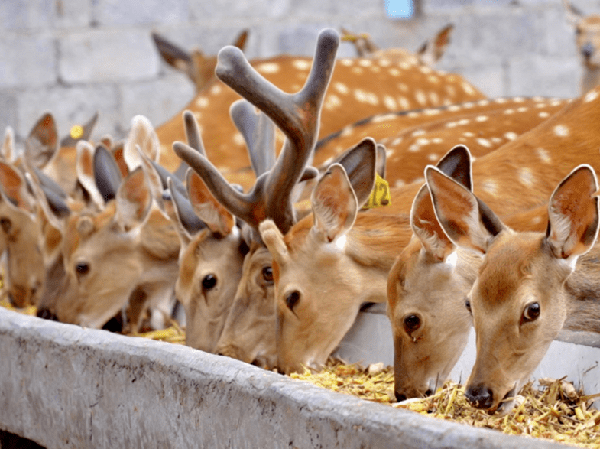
(575, 355)
(64, 386)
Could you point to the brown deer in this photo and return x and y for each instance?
(297, 115)
(414, 139)
(400, 84)
(525, 168)
(587, 39)
(519, 300)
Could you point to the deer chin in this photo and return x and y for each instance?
(508, 402)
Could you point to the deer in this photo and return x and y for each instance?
(430, 52)
(297, 115)
(527, 164)
(347, 101)
(414, 139)
(122, 255)
(561, 142)
(587, 40)
(519, 300)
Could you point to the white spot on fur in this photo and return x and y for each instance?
(544, 156)
(526, 176)
(422, 141)
(365, 62)
(404, 103)
(390, 103)
(357, 70)
(341, 88)
(269, 67)
(433, 79)
(238, 139)
(437, 140)
(431, 111)
(522, 109)
(366, 97)
(484, 142)
(561, 130)
(510, 135)
(468, 89)
(454, 108)
(418, 132)
(396, 141)
(464, 121)
(469, 105)
(346, 62)
(481, 118)
(434, 98)
(216, 89)
(591, 96)
(544, 114)
(385, 62)
(518, 99)
(483, 102)
(202, 102)
(414, 148)
(468, 134)
(500, 100)
(433, 157)
(451, 124)
(346, 131)
(383, 118)
(394, 72)
(420, 97)
(332, 102)
(509, 111)
(490, 186)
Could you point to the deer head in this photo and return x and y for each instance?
(518, 302)
(587, 39)
(426, 287)
(272, 195)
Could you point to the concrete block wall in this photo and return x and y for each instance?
(76, 57)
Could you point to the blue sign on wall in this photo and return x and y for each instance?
(399, 9)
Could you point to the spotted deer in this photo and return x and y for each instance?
(123, 255)
(414, 139)
(430, 52)
(197, 66)
(525, 168)
(519, 170)
(272, 195)
(587, 40)
(400, 84)
(519, 300)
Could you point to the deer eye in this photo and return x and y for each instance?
(292, 299)
(412, 323)
(267, 274)
(6, 224)
(468, 305)
(82, 268)
(209, 282)
(531, 312)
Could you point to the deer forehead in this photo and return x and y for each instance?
(511, 262)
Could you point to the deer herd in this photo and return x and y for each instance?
(253, 210)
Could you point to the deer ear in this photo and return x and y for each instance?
(359, 163)
(84, 167)
(334, 204)
(427, 228)
(574, 15)
(15, 189)
(8, 145)
(133, 200)
(172, 54)
(433, 50)
(467, 221)
(217, 218)
(143, 135)
(42, 143)
(573, 214)
(187, 222)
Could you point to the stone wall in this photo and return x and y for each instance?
(75, 57)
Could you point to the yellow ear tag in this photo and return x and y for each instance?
(380, 195)
(76, 131)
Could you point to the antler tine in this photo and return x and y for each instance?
(292, 113)
(192, 132)
(259, 134)
(239, 204)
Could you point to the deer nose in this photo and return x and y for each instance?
(400, 397)
(587, 50)
(480, 396)
(46, 314)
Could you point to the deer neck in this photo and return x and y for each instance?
(589, 79)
